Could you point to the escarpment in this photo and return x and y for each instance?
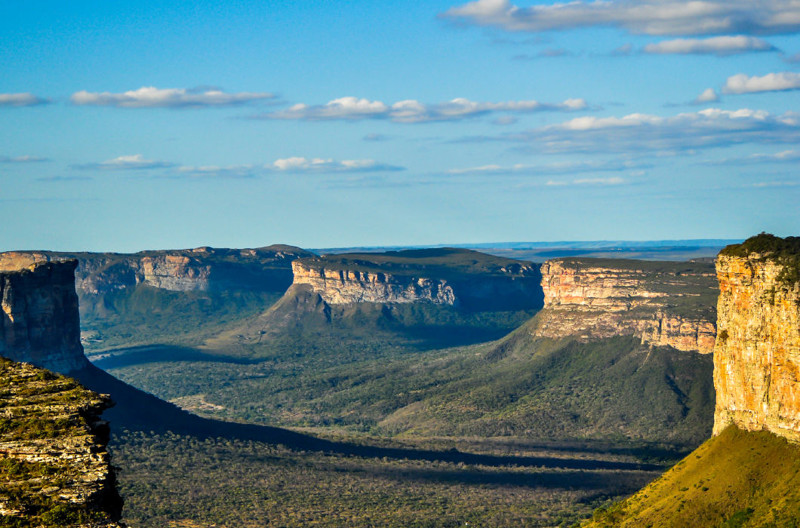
(662, 303)
(39, 318)
(54, 466)
(757, 353)
(450, 277)
(353, 286)
(99, 276)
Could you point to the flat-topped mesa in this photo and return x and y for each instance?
(349, 286)
(442, 276)
(663, 303)
(757, 354)
(39, 321)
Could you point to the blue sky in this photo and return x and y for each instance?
(135, 125)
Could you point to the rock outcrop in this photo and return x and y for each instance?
(54, 466)
(445, 276)
(757, 353)
(39, 321)
(663, 303)
(353, 286)
(201, 269)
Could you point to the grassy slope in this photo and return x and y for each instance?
(735, 479)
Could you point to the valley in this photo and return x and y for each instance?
(350, 401)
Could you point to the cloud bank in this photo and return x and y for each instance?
(720, 46)
(21, 99)
(568, 167)
(648, 17)
(771, 82)
(22, 159)
(412, 111)
(124, 163)
(320, 165)
(151, 97)
(637, 133)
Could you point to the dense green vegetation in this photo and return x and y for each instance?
(171, 479)
(613, 389)
(742, 479)
(142, 315)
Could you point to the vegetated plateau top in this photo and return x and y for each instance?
(445, 263)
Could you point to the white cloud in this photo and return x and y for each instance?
(320, 165)
(650, 17)
(123, 163)
(568, 167)
(21, 99)
(151, 97)
(771, 82)
(708, 96)
(412, 111)
(784, 156)
(656, 135)
(22, 159)
(722, 46)
(216, 171)
(616, 180)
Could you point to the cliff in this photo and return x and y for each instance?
(185, 270)
(662, 303)
(54, 466)
(445, 276)
(352, 286)
(757, 354)
(39, 321)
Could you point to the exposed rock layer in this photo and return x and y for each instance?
(757, 354)
(100, 275)
(54, 466)
(352, 286)
(664, 304)
(445, 276)
(39, 321)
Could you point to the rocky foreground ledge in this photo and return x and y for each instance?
(54, 466)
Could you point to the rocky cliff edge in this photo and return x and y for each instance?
(757, 353)
(663, 303)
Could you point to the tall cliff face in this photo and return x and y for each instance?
(54, 466)
(353, 286)
(757, 354)
(39, 321)
(663, 303)
(449, 277)
(187, 270)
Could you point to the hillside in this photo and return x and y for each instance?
(748, 473)
(737, 478)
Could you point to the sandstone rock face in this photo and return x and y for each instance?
(39, 321)
(665, 304)
(100, 276)
(757, 353)
(349, 286)
(55, 468)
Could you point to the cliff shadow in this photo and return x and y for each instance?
(126, 357)
(136, 410)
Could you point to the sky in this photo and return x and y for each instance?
(151, 125)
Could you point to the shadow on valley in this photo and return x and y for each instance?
(126, 357)
(136, 410)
